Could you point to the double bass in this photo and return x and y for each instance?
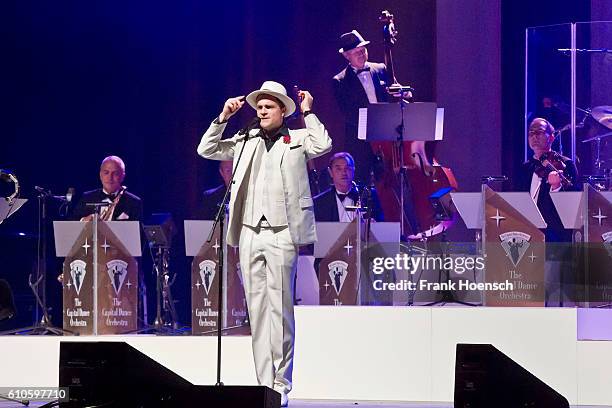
(400, 160)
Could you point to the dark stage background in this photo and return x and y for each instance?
(142, 80)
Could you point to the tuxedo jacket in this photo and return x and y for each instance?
(350, 93)
(555, 232)
(290, 159)
(210, 203)
(326, 207)
(129, 204)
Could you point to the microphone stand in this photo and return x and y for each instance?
(220, 221)
(42, 324)
(401, 91)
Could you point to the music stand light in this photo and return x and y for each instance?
(441, 203)
(159, 230)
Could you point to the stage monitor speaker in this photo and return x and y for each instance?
(485, 377)
(115, 375)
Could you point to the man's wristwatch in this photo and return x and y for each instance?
(308, 112)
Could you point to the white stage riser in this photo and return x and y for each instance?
(367, 353)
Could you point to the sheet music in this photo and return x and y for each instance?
(439, 123)
(362, 125)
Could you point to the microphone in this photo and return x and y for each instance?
(65, 198)
(42, 190)
(253, 124)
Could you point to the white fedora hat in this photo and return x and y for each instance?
(276, 90)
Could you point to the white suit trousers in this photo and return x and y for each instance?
(268, 261)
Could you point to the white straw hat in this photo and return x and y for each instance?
(276, 90)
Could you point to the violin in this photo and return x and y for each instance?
(552, 161)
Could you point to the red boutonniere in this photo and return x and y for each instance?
(286, 139)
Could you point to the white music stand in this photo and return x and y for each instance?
(67, 232)
(524, 204)
(8, 208)
(569, 207)
(469, 206)
(327, 235)
(196, 233)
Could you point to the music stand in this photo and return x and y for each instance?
(44, 325)
(422, 121)
(10, 207)
(159, 229)
(66, 234)
(401, 121)
(327, 235)
(196, 232)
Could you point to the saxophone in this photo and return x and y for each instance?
(107, 213)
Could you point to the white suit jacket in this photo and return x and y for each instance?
(291, 160)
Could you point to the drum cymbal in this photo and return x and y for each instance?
(592, 139)
(603, 114)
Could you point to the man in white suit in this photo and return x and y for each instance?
(271, 214)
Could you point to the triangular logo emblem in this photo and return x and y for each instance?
(208, 270)
(117, 271)
(338, 271)
(515, 245)
(77, 274)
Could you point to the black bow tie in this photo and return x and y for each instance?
(359, 71)
(341, 196)
(109, 196)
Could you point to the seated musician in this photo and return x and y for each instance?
(211, 199)
(331, 204)
(541, 184)
(122, 204)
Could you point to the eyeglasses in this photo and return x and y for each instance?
(537, 133)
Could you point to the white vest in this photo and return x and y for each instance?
(267, 199)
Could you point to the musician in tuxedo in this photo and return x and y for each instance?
(331, 204)
(540, 137)
(123, 205)
(211, 199)
(359, 83)
(559, 274)
(270, 214)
